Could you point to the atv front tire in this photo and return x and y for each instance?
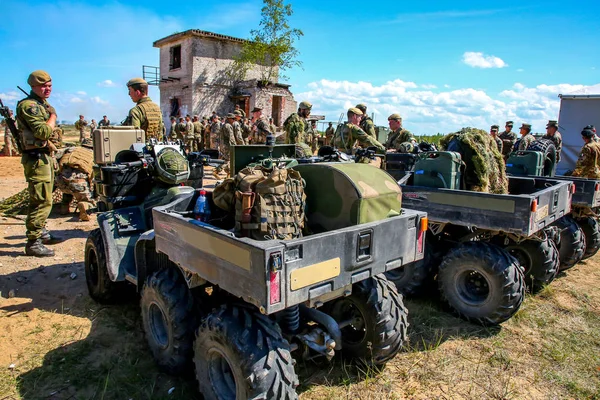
(591, 230)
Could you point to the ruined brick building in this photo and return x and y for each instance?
(192, 79)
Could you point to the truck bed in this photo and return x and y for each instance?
(587, 191)
(533, 203)
(276, 274)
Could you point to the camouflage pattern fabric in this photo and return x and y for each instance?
(498, 142)
(199, 134)
(76, 183)
(246, 133)
(237, 133)
(32, 115)
(103, 122)
(524, 142)
(348, 134)
(508, 141)
(557, 140)
(10, 145)
(215, 133)
(262, 129)
(180, 130)
(80, 126)
(57, 136)
(346, 194)
(367, 125)
(173, 167)
(79, 158)
(227, 140)
(329, 132)
(146, 115)
(485, 170)
(588, 163)
(294, 127)
(397, 137)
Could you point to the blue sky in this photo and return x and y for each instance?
(441, 64)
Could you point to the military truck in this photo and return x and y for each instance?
(238, 308)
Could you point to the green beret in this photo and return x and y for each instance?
(395, 116)
(362, 107)
(136, 81)
(355, 110)
(552, 123)
(509, 123)
(525, 126)
(305, 105)
(37, 78)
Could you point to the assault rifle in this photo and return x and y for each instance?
(12, 127)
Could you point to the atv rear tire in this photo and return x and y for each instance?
(572, 242)
(169, 319)
(591, 230)
(481, 282)
(548, 150)
(539, 260)
(241, 354)
(379, 320)
(410, 279)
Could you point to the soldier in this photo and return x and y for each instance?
(588, 163)
(314, 145)
(553, 134)
(10, 145)
(173, 129)
(526, 138)
(494, 134)
(296, 128)
(227, 140)
(198, 132)
(74, 178)
(215, 132)
(146, 114)
(239, 110)
(398, 134)
(237, 127)
(366, 123)
(350, 132)
(93, 126)
(188, 134)
(329, 132)
(104, 122)
(37, 119)
(260, 126)
(595, 138)
(272, 126)
(180, 129)
(508, 138)
(80, 125)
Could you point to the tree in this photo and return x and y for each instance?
(271, 47)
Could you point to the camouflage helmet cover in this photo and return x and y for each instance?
(172, 167)
(406, 147)
(305, 105)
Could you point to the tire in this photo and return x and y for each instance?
(572, 243)
(241, 354)
(100, 287)
(539, 261)
(379, 325)
(410, 279)
(169, 319)
(591, 230)
(481, 282)
(546, 147)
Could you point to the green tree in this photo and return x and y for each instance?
(270, 47)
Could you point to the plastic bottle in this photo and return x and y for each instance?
(201, 208)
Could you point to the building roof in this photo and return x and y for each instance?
(198, 33)
(586, 92)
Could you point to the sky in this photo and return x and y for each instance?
(442, 65)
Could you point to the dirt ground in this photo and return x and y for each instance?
(56, 343)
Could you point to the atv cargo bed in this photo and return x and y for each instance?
(587, 191)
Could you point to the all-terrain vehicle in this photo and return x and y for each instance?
(236, 307)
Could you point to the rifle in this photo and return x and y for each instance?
(12, 127)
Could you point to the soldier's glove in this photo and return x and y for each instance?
(50, 109)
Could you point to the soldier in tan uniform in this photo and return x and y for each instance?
(10, 145)
(198, 132)
(350, 133)
(189, 136)
(508, 138)
(366, 123)
(297, 129)
(260, 127)
(588, 164)
(80, 125)
(74, 178)
(526, 138)
(146, 114)
(553, 134)
(398, 135)
(237, 127)
(329, 132)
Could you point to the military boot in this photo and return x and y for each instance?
(48, 238)
(83, 215)
(36, 248)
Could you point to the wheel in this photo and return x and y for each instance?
(169, 319)
(241, 354)
(411, 278)
(100, 287)
(539, 260)
(591, 230)
(377, 320)
(546, 147)
(572, 243)
(481, 282)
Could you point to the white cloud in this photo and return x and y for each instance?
(98, 100)
(480, 60)
(10, 98)
(82, 93)
(428, 86)
(447, 86)
(107, 83)
(76, 100)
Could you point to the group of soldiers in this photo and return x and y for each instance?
(81, 125)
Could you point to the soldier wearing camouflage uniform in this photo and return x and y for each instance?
(508, 138)
(526, 138)
(494, 134)
(80, 125)
(146, 114)
(588, 163)
(37, 119)
(104, 122)
(188, 134)
(227, 140)
(173, 129)
(329, 132)
(297, 128)
(366, 123)
(350, 133)
(553, 134)
(74, 178)
(237, 127)
(10, 145)
(198, 132)
(259, 126)
(215, 132)
(398, 135)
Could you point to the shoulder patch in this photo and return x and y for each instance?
(33, 109)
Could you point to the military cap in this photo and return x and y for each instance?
(587, 133)
(525, 126)
(256, 109)
(509, 123)
(305, 105)
(80, 115)
(37, 78)
(173, 119)
(355, 110)
(230, 115)
(237, 112)
(362, 107)
(395, 116)
(495, 127)
(552, 122)
(136, 81)
(592, 127)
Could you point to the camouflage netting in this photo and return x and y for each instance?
(485, 169)
(17, 204)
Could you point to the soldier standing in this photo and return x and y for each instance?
(10, 146)
(494, 134)
(329, 132)
(508, 138)
(398, 134)
(104, 121)
(74, 178)
(215, 132)
(80, 125)
(227, 140)
(146, 114)
(350, 132)
(188, 134)
(296, 128)
(553, 134)
(237, 127)
(180, 129)
(272, 126)
(588, 163)
(198, 132)
(37, 119)
(173, 129)
(93, 126)
(260, 126)
(239, 111)
(526, 138)
(366, 123)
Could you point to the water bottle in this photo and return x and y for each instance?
(201, 208)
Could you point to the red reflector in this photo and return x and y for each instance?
(274, 288)
(420, 241)
(597, 186)
(573, 188)
(534, 206)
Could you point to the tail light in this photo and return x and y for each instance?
(573, 188)
(421, 236)
(534, 205)
(597, 187)
(275, 267)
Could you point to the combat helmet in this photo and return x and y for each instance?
(406, 147)
(172, 167)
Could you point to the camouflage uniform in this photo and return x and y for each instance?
(74, 178)
(329, 132)
(189, 136)
(498, 142)
(93, 126)
(199, 133)
(557, 140)
(588, 163)
(524, 142)
(294, 127)
(246, 132)
(57, 135)
(103, 122)
(80, 125)
(146, 115)
(215, 132)
(397, 137)
(367, 125)
(227, 140)
(348, 134)
(237, 133)
(262, 130)
(10, 145)
(508, 141)
(173, 131)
